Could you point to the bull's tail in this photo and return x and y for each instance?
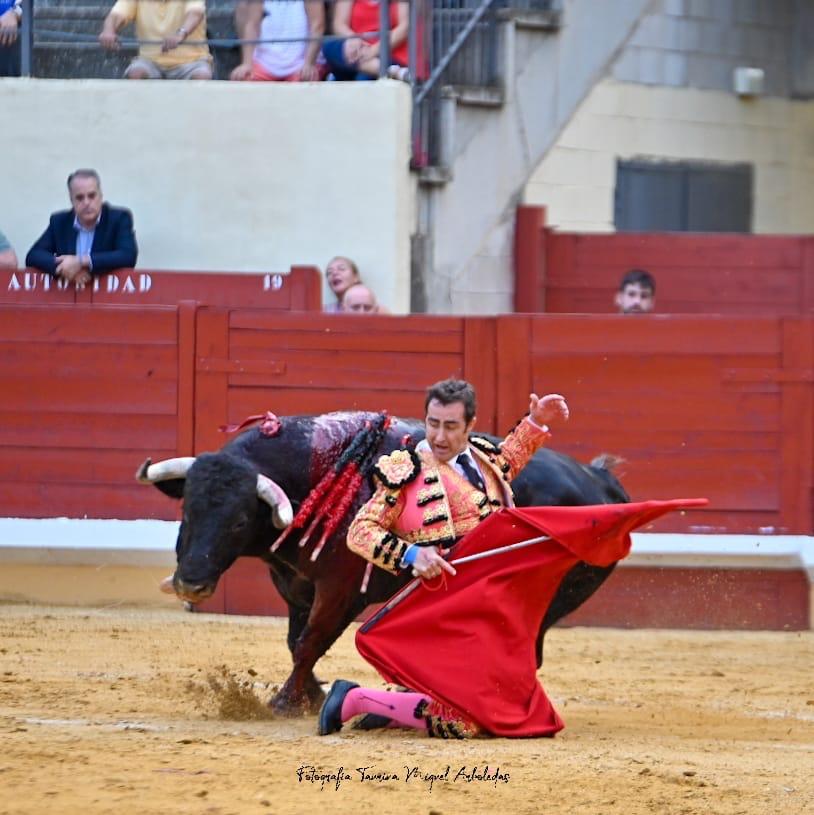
(604, 466)
(607, 461)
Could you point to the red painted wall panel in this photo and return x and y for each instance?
(87, 393)
(561, 272)
(636, 597)
(696, 405)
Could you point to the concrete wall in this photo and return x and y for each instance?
(669, 95)
(496, 150)
(576, 180)
(222, 177)
(698, 43)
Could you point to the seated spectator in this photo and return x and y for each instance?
(173, 22)
(341, 273)
(359, 299)
(357, 57)
(637, 293)
(7, 256)
(88, 240)
(298, 25)
(11, 12)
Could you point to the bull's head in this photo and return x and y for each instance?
(226, 513)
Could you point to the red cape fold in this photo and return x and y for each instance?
(470, 644)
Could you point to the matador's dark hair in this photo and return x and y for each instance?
(449, 391)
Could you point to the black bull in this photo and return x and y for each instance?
(223, 519)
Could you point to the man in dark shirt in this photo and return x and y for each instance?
(88, 240)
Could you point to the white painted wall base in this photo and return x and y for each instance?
(97, 562)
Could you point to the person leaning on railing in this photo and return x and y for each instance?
(296, 28)
(11, 12)
(162, 28)
(88, 240)
(357, 57)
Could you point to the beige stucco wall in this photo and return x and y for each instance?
(617, 120)
(84, 585)
(222, 176)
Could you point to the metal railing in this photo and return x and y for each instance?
(452, 43)
(462, 44)
(56, 30)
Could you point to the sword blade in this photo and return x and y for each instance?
(391, 604)
(500, 550)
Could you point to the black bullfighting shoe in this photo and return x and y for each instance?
(330, 714)
(371, 721)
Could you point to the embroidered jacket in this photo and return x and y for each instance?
(420, 500)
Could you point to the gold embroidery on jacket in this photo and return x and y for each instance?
(428, 494)
(434, 514)
(397, 469)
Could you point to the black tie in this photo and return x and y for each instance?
(472, 475)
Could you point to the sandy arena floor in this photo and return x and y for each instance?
(125, 711)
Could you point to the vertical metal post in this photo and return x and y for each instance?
(412, 63)
(384, 37)
(412, 41)
(27, 38)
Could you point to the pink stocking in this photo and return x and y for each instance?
(400, 707)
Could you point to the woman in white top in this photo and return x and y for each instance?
(298, 27)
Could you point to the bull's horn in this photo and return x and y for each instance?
(272, 493)
(166, 585)
(164, 470)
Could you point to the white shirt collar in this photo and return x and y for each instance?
(424, 447)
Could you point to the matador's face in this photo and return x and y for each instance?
(447, 429)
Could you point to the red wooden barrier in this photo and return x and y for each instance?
(86, 393)
(713, 406)
(744, 599)
(251, 361)
(299, 289)
(721, 407)
(557, 272)
(710, 406)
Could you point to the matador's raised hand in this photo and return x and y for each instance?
(549, 410)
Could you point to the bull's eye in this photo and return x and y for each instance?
(240, 525)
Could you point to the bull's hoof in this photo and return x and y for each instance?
(330, 716)
(293, 708)
(287, 709)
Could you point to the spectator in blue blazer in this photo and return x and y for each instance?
(88, 240)
(11, 12)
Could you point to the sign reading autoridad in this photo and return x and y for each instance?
(261, 289)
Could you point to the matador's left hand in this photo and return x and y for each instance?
(549, 409)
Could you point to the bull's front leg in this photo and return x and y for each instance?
(301, 693)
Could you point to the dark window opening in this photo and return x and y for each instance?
(683, 197)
